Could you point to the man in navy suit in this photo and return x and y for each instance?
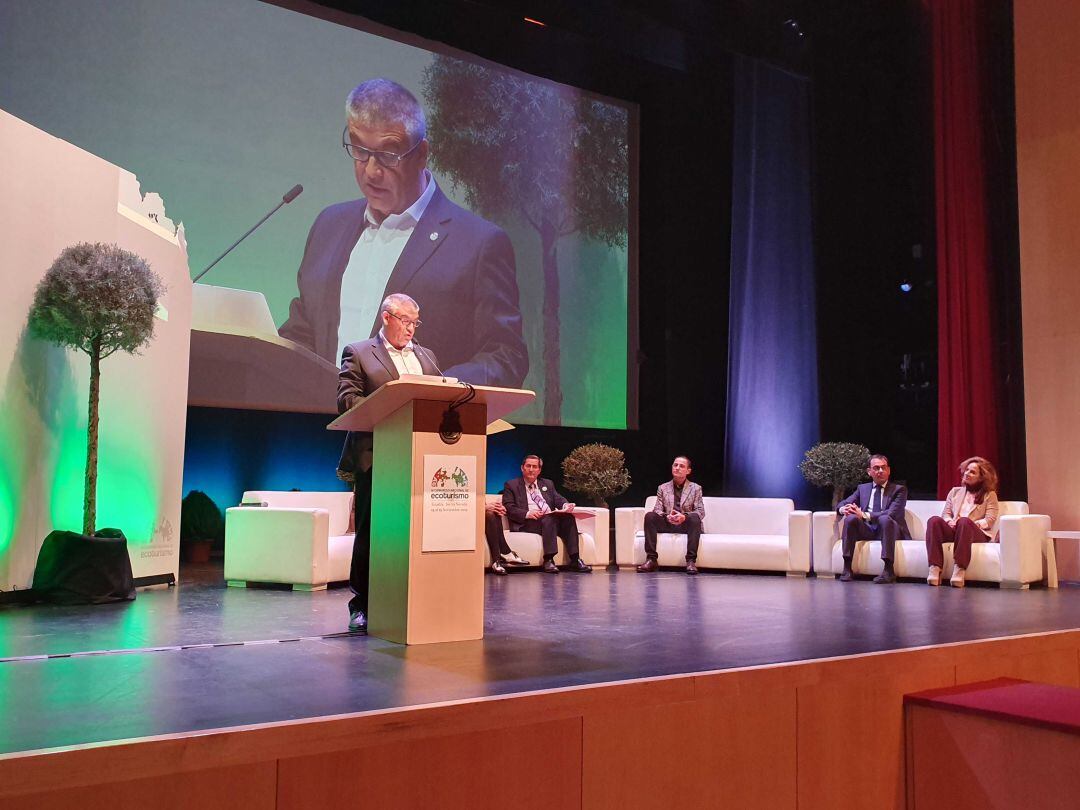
(407, 237)
(534, 505)
(365, 367)
(874, 511)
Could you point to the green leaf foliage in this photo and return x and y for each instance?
(96, 294)
(200, 518)
(596, 470)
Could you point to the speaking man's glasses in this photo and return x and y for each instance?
(362, 154)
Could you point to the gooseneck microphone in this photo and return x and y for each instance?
(288, 197)
(430, 357)
(450, 426)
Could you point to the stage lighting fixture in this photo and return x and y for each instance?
(905, 286)
(793, 28)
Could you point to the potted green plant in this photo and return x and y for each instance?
(98, 299)
(839, 465)
(201, 525)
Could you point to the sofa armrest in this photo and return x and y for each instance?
(277, 545)
(825, 537)
(1024, 539)
(799, 540)
(598, 525)
(629, 520)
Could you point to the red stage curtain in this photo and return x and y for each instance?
(968, 404)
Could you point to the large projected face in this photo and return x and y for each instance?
(500, 202)
(389, 170)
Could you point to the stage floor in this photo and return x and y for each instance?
(202, 656)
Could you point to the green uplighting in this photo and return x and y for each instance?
(9, 496)
(66, 496)
(127, 486)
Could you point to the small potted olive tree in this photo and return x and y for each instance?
(98, 299)
(597, 471)
(839, 465)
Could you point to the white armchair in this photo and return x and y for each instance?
(299, 538)
(1021, 554)
(593, 525)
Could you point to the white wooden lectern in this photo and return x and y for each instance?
(427, 507)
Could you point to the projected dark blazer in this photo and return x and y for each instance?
(460, 269)
(365, 367)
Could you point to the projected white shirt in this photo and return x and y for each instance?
(370, 264)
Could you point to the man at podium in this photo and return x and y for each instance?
(405, 235)
(365, 367)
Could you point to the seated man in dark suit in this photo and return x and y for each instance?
(874, 511)
(501, 553)
(533, 505)
(365, 367)
(679, 508)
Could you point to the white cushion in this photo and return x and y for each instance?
(733, 516)
(752, 552)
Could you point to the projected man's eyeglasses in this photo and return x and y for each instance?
(361, 154)
(405, 321)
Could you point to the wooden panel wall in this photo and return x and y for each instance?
(818, 734)
(1048, 184)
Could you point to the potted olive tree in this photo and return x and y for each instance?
(839, 465)
(597, 471)
(98, 299)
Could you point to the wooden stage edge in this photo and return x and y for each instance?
(807, 734)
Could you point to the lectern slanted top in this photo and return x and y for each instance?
(366, 414)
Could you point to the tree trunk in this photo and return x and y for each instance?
(549, 237)
(837, 496)
(90, 490)
(599, 502)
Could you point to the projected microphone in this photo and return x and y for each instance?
(288, 197)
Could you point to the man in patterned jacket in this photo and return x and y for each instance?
(679, 509)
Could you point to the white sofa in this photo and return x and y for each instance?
(593, 531)
(1021, 554)
(299, 538)
(757, 534)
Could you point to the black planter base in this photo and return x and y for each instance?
(77, 569)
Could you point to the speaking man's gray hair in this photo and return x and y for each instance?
(381, 101)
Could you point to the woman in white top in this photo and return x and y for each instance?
(970, 516)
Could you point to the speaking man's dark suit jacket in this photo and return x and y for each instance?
(893, 503)
(459, 268)
(365, 367)
(517, 503)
